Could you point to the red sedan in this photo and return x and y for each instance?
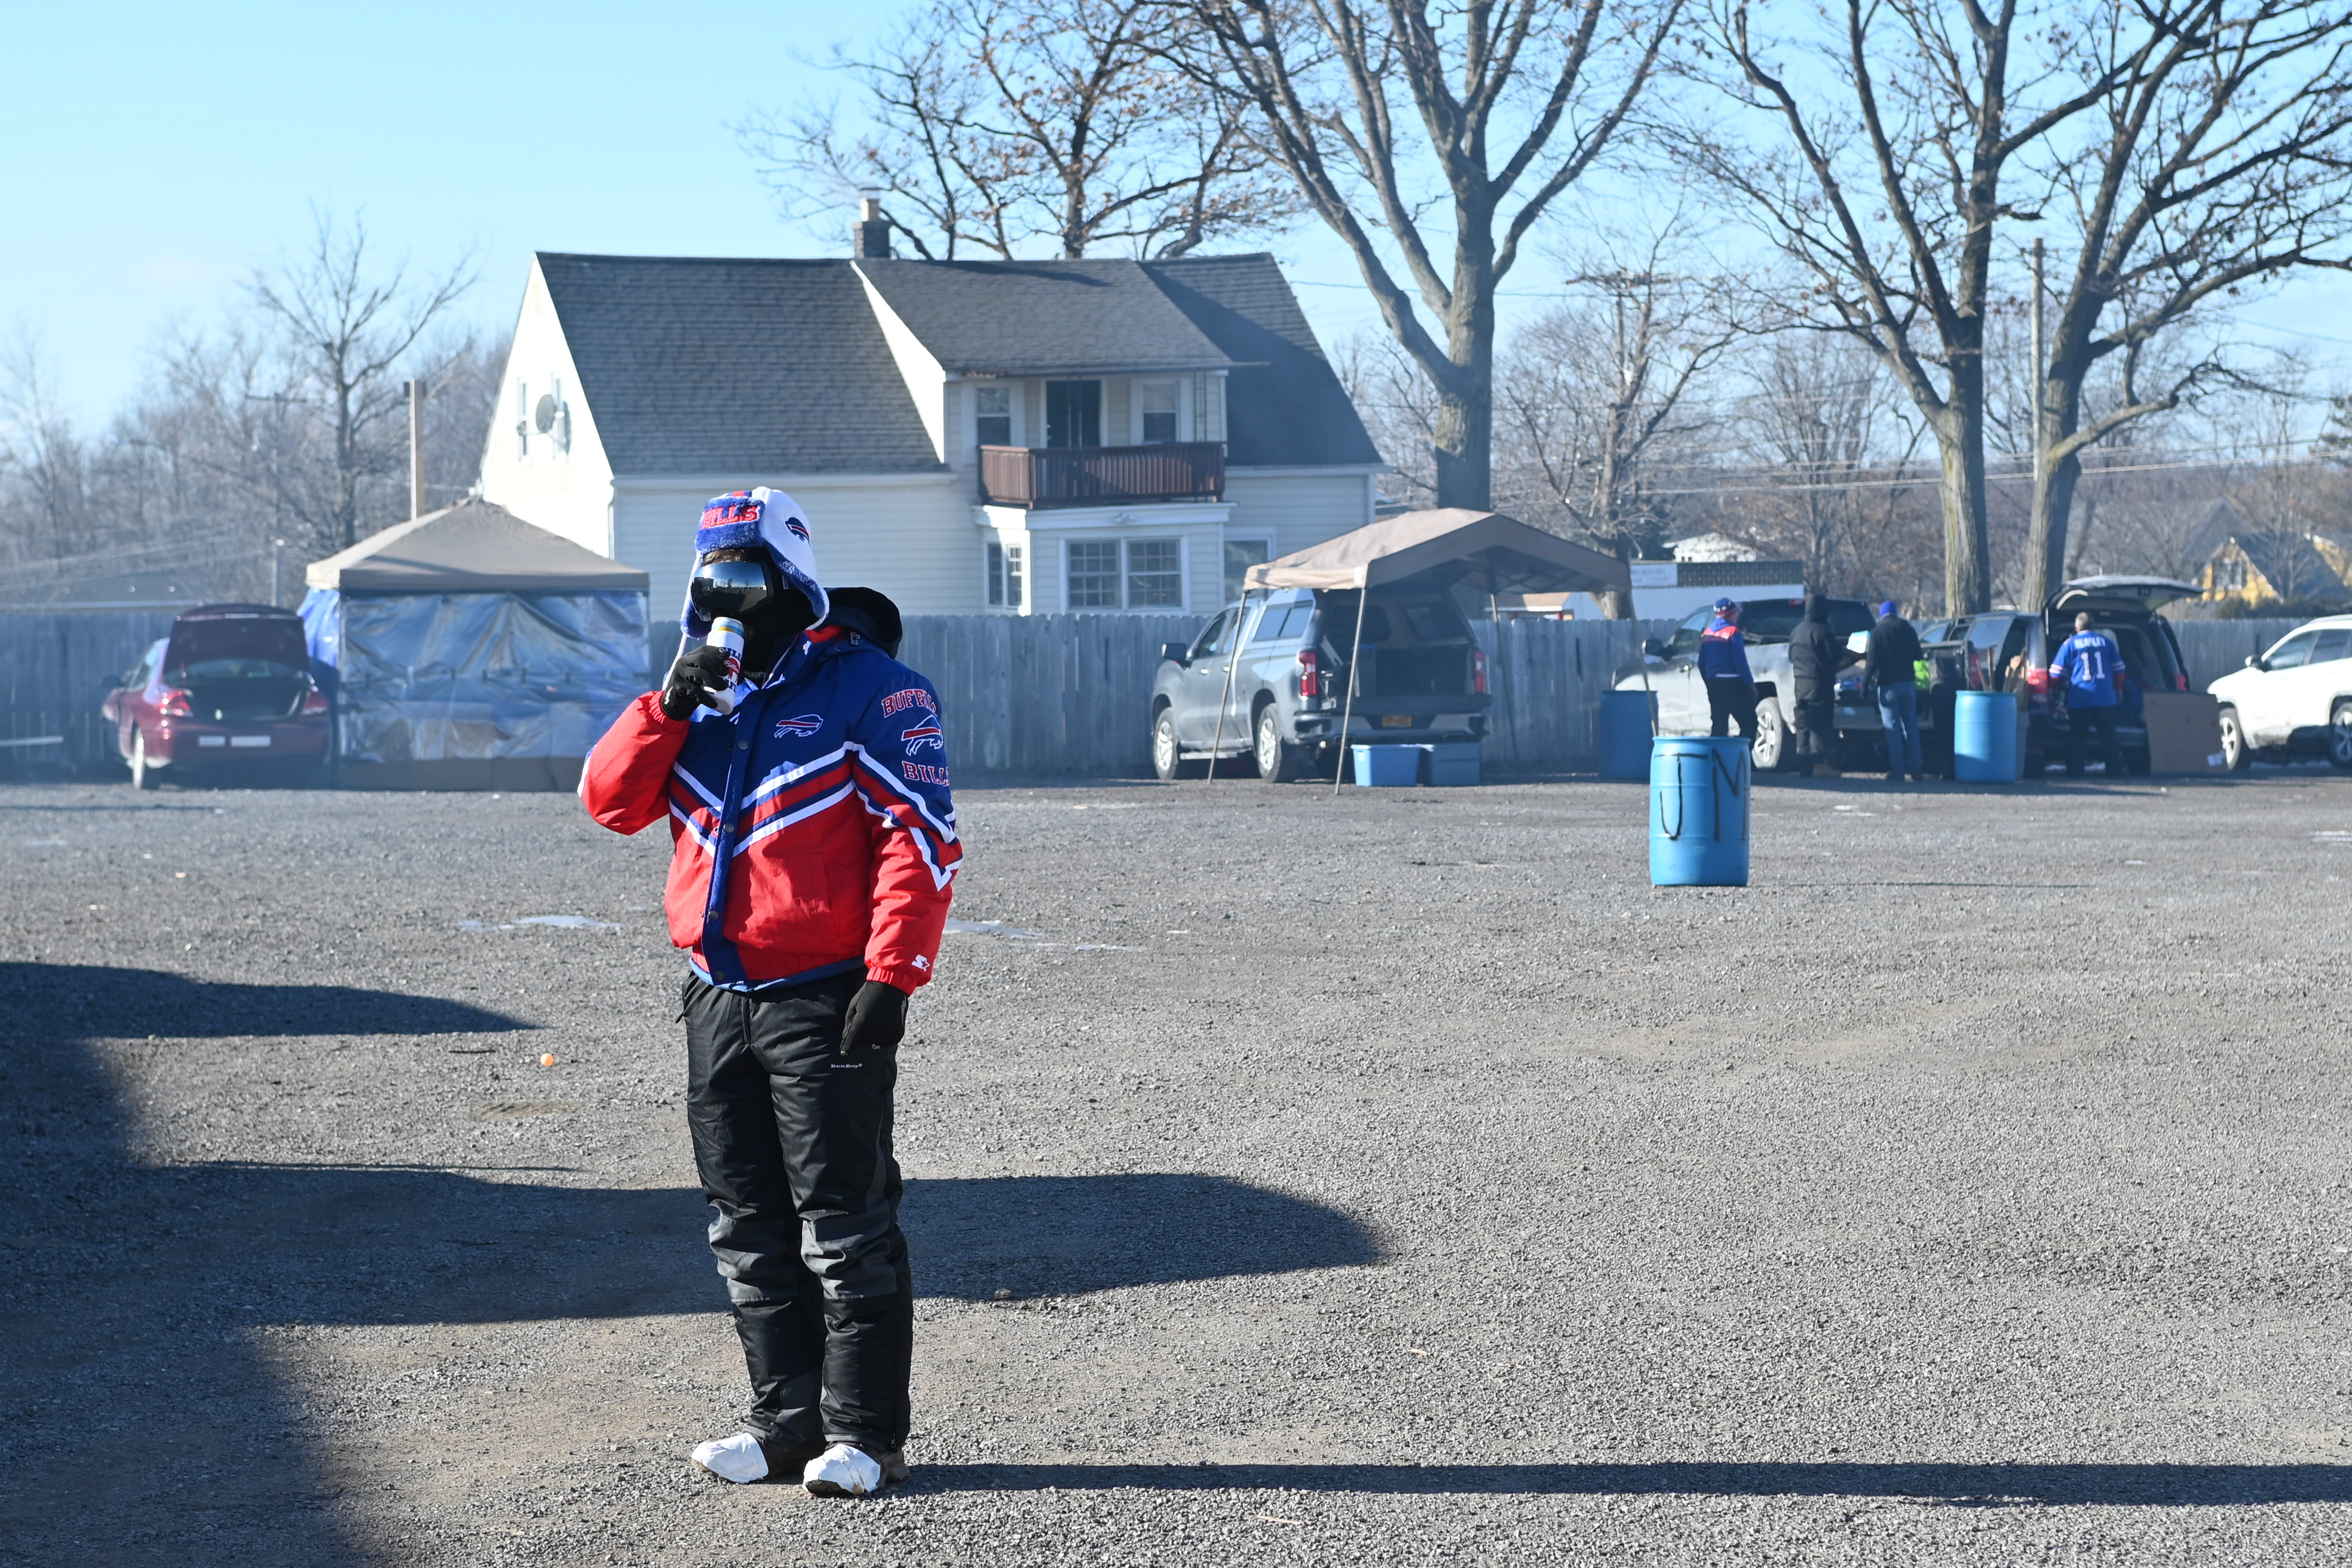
(230, 688)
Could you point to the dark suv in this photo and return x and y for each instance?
(1424, 677)
(2010, 650)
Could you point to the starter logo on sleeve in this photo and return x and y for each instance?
(925, 734)
(806, 724)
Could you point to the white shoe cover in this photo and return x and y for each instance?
(843, 1470)
(738, 1459)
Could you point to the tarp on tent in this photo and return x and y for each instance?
(1480, 550)
(467, 649)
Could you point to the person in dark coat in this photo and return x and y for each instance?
(1893, 665)
(1815, 655)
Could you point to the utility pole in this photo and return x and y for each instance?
(276, 561)
(2039, 524)
(415, 390)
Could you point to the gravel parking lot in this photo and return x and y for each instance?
(1392, 1179)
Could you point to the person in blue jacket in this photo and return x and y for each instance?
(2089, 664)
(1722, 665)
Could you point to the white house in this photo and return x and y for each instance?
(1021, 437)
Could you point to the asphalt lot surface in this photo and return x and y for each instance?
(1392, 1179)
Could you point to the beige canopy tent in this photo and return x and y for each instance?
(1482, 550)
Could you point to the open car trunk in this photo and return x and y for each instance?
(251, 670)
(1416, 643)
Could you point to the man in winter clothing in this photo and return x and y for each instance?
(2090, 665)
(1894, 663)
(1815, 655)
(813, 849)
(1722, 665)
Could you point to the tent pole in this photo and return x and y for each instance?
(1348, 709)
(1233, 657)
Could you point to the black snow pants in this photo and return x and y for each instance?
(1815, 723)
(793, 1144)
(1731, 701)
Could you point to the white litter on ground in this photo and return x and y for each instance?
(990, 928)
(569, 922)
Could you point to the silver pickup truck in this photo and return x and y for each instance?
(1670, 669)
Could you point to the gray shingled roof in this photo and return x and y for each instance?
(1042, 317)
(704, 366)
(1284, 403)
(713, 366)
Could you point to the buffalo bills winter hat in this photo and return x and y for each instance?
(1725, 605)
(1885, 608)
(771, 518)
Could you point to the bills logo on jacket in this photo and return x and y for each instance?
(921, 735)
(806, 724)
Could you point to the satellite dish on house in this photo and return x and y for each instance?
(542, 415)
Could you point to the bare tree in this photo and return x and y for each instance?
(2221, 157)
(1594, 393)
(996, 122)
(1506, 100)
(344, 331)
(41, 456)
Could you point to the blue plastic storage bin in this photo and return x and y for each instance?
(1388, 767)
(1698, 812)
(1984, 737)
(1450, 764)
(1625, 734)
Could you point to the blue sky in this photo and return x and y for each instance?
(153, 154)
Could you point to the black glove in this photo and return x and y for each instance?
(877, 1018)
(697, 677)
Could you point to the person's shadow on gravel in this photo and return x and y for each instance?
(137, 1296)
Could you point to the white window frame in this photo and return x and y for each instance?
(1026, 568)
(1184, 385)
(1241, 536)
(1183, 543)
(1015, 393)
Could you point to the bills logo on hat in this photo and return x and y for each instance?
(921, 735)
(792, 526)
(806, 724)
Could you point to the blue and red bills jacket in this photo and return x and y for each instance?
(812, 830)
(1723, 652)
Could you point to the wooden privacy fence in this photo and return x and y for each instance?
(1547, 679)
(1045, 694)
(55, 669)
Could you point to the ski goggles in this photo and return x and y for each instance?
(735, 588)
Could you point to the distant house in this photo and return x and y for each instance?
(2254, 569)
(1019, 437)
(1712, 547)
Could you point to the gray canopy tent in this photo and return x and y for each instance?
(468, 649)
(1483, 551)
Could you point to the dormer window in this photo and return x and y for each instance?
(992, 409)
(1158, 399)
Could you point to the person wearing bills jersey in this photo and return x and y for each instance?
(813, 856)
(2092, 667)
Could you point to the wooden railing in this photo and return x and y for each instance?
(1096, 476)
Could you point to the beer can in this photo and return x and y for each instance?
(727, 634)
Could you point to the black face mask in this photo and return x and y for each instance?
(742, 589)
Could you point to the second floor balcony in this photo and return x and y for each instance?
(1102, 476)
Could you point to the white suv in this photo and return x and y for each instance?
(2296, 698)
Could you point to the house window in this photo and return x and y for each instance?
(1125, 575)
(1094, 573)
(1004, 576)
(1155, 573)
(1241, 554)
(522, 419)
(1159, 398)
(1074, 413)
(993, 408)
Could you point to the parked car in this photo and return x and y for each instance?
(2295, 699)
(230, 689)
(1423, 678)
(2008, 650)
(1671, 673)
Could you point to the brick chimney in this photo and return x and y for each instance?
(870, 235)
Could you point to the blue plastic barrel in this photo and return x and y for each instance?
(1984, 737)
(1698, 812)
(1625, 734)
(1388, 767)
